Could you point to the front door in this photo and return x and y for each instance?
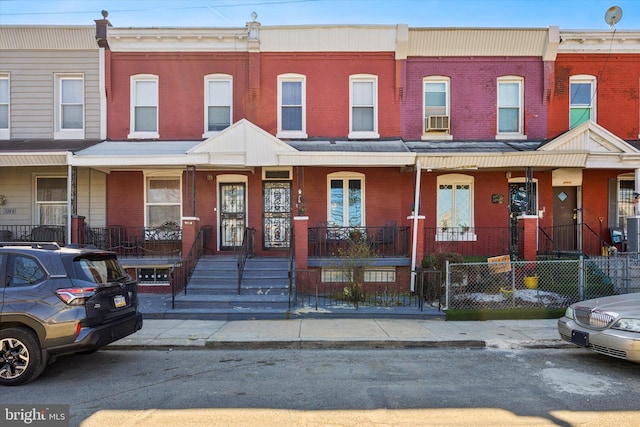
(565, 216)
(276, 198)
(232, 215)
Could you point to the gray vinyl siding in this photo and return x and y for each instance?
(17, 184)
(32, 89)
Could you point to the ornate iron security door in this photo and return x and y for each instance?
(276, 199)
(232, 215)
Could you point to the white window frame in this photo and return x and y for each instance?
(456, 232)
(133, 134)
(38, 203)
(226, 78)
(345, 177)
(518, 134)
(161, 175)
(60, 132)
(447, 82)
(293, 78)
(581, 79)
(370, 275)
(5, 133)
(621, 218)
(364, 78)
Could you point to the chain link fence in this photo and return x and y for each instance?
(539, 284)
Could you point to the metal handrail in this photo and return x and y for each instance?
(246, 250)
(291, 264)
(181, 271)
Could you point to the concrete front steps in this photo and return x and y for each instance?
(212, 292)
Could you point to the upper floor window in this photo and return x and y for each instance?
(69, 111)
(291, 106)
(581, 99)
(51, 200)
(144, 106)
(346, 199)
(510, 107)
(455, 207)
(4, 106)
(163, 200)
(363, 96)
(218, 103)
(436, 106)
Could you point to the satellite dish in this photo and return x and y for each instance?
(613, 15)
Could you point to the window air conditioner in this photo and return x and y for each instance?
(437, 123)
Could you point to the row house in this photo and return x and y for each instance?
(479, 141)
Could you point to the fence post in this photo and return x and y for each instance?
(581, 278)
(447, 281)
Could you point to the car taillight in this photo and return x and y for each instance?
(75, 296)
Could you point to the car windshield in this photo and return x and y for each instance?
(99, 270)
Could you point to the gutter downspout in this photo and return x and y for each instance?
(416, 205)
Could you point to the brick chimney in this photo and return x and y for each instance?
(101, 30)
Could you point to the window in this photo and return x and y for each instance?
(163, 200)
(510, 107)
(24, 271)
(51, 200)
(218, 103)
(455, 207)
(291, 106)
(370, 275)
(346, 200)
(4, 106)
(69, 111)
(153, 276)
(363, 96)
(581, 100)
(436, 105)
(144, 107)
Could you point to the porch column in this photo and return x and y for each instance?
(417, 246)
(301, 241)
(190, 227)
(529, 241)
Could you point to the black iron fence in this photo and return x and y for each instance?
(163, 241)
(384, 241)
(469, 241)
(358, 287)
(34, 233)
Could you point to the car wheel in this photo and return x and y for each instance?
(20, 356)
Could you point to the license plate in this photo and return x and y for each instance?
(580, 338)
(119, 301)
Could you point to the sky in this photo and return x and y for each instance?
(567, 14)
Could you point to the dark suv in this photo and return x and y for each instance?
(60, 300)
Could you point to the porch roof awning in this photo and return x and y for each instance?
(37, 158)
(473, 161)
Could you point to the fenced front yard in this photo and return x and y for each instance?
(538, 284)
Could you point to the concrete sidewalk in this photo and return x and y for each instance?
(342, 333)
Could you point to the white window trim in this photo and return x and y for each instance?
(59, 132)
(346, 176)
(520, 133)
(444, 235)
(37, 203)
(163, 174)
(215, 77)
(368, 134)
(436, 135)
(585, 78)
(288, 134)
(132, 113)
(5, 133)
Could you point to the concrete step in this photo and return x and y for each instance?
(237, 302)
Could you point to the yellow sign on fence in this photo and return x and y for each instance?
(499, 264)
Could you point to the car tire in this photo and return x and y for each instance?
(20, 356)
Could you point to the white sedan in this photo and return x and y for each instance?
(608, 325)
